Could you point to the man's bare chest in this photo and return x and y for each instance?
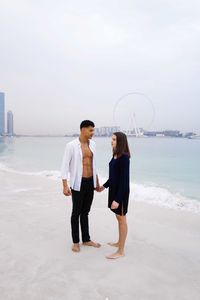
(86, 152)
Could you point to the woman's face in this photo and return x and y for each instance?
(114, 141)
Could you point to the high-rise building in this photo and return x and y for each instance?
(10, 129)
(106, 131)
(2, 114)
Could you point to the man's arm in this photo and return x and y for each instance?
(65, 169)
(98, 185)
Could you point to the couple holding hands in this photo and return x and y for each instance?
(79, 162)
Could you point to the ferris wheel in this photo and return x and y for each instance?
(134, 112)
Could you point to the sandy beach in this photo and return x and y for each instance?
(162, 254)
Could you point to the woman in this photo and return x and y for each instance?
(118, 184)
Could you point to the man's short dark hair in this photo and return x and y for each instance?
(86, 123)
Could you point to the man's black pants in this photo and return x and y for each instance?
(82, 201)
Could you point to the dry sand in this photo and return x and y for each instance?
(162, 259)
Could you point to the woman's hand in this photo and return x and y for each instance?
(114, 205)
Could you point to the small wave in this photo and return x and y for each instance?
(53, 174)
(153, 194)
(163, 197)
(21, 190)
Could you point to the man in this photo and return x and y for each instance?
(79, 162)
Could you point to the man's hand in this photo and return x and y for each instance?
(66, 188)
(114, 205)
(98, 185)
(67, 191)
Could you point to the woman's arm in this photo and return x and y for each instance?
(106, 184)
(123, 185)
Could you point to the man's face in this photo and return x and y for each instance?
(88, 132)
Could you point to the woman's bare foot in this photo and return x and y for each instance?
(115, 255)
(92, 244)
(114, 244)
(76, 247)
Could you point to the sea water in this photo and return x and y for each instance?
(164, 171)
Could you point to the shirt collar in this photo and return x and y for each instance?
(79, 143)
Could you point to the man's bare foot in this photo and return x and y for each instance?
(114, 244)
(76, 247)
(92, 244)
(115, 255)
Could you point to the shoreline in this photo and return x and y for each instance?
(77, 135)
(152, 194)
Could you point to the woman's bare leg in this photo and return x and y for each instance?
(115, 244)
(122, 237)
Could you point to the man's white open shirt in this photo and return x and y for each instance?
(72, 164)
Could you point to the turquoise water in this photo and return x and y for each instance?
(169, 163)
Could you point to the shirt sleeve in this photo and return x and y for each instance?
(123, 185)
(95, 161)
(66, 161)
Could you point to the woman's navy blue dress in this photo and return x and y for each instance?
(118, 183)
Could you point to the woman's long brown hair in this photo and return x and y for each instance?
(122, 144)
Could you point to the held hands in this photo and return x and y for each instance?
(99, 188)
(114, 205)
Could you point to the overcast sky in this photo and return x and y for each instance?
(64, 61)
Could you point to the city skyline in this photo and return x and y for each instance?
(99, 131)
(10, 126)
(10, 123)
(2, 113)
(9, 129)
